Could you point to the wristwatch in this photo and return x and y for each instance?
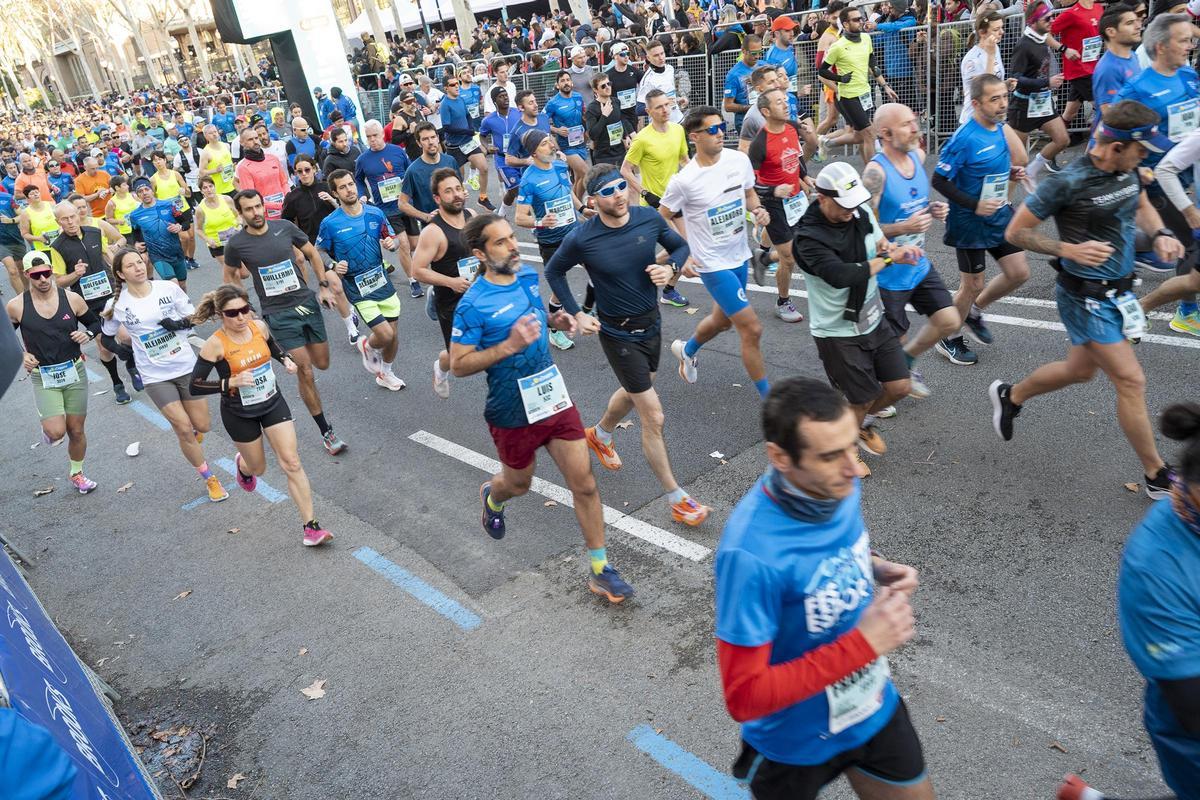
(324, 284)
(1164, 232)
(887, 260)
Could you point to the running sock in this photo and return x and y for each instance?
(1187, 307)
(322, 423)
(502, 210)
(589, 297)
(909, 360)
(975, 312)
(599, 558)
(312, 524)
(493, 506)
(555, 307)
(204, 471)
(763, 387)
(604, 436)
(349, 321)
(691, 347)
(781, 301)
(76, 466)
(111, 367)
(677, 495)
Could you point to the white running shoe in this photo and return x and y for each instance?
(389, 381)
(371, 360)
(687, 366)
(441, 380)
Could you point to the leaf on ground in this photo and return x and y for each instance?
(625, 503)
(42, 492)
(303, 651)
(35, 445)
(716, 454)
(133, 449)
(125, 488)
(235, 780)
(939, 719)
(1133, 487)
(102, 391)
(738, 385)
(234, 530)
(1058, 747)
(100, 662)
(182, 594)
(626, 424)
(692, 310)
(316, 691)
(549, 503)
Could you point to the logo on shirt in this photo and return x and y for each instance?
(839, 585)
(500, 311)
(985, 149)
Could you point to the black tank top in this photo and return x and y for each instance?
(50, 339)
(448, 264)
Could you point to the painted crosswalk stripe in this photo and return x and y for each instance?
(702, 776)
(447, 606)
(262, 488)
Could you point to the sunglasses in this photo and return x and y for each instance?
(451, 84)
(603, 85)
(713, 130)
(234, 313)
(40, 275)
(612, 188)
(304, 171)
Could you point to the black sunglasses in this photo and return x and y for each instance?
(234, 313)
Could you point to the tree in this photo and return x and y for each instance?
(125, 12)
(194, 37)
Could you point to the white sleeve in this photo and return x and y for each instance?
(180, 301)
(1179, 158)
(747, 172)
(673, 198)
(109, 326)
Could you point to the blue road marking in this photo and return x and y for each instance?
(263, 488)
(199, 501)
(93, 377)
(704, 778)
(446, 606)
(151, 415)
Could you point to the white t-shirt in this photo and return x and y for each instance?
(713, 202)
(278, 148)
(975, 63)
(664, 80)
(160, 355)
(434, 96)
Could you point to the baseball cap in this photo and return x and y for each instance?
(843, 183)
(52, 163)
(577, 50)
(240, 118)
(34, 259)
(620, 48)
(406, 80)
(96, 151)
(318, 91)
(782, 23)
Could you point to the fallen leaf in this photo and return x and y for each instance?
(939, 719)
(316, 691)
(625, 504)
(102, 391)
(133, 449)
(41, 492)
(162, 736)
(723, 461)
(35, 445)
(233, 782)
(716, 454)
(125, 488)
(303, 651)
(182, 594)
(626, 424)
(1133, 487)
(170, 751)
(738, 385)
(692, 310)
(234, 530)
(1058, 747)
(549, 503)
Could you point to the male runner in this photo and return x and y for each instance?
(973, 173)
(156, 221)
(1121, 30)
(459, 128)
(351, 237)
(259, 171)
(660, 76)
(617, 248)
(803, 629)
(416, 195)
(1032, 107)
(713, 193)
(781, 52)
(565, 112)
(381, 169)
(1094, 202)
(739, 95)
(495, 132)
(625, 79)
(263, 249)
(500, 326)
(850, 63)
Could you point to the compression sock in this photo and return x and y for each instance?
(676, 495)
(599, 558)
(779, 301)
(204, 471)
(322, 423)
(763, 387)
(604, 436)
(1187, 307)
(111, 367)
(589, 298)
(76, 466)
(691, 347)
(555, 307)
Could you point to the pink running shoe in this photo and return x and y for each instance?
(314, 536)
(246, 482)
(82, 483)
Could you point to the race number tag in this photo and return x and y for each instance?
(1133, 319)
(161, 345)
(616, 134)
(279, 278)
(544, 394)
(627, 98)
(727, 221)
(273, 205)
(1182, 119)
(869, 314)
(867, 101)
(389, 189)
(1041, 104)
(473, 110)
(1090, 51)
(910, 240)
(95, 286)
(467, 267)
(857, 696)
(563, 211)
(370, 281)
(179, 203)
(227, 173)
(263, 388)
(468, 147)
(57, 376)
(504, 146)
(995, 187)
(224, 236)
(794, 207)
(575, 136)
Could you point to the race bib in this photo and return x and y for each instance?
(1133, 319)
(227, 172)
(857, 696)
(869, 314)
(562, 209)
(95, 286)
(867, 101)
(57, 376)
(389, 189)
(1182, 119)
(468, 147)
(544, 394)
(279, 278)
(473, 110)
(161, 345)
(1041, 104)
(627, 98)
(575, 136)
(504, 146)
(263, 388)
(273, 205)
(910, 240)
(1090, 51)
(616, 134)
(995, 187)
(370, 281)
(467, 267)
(179, 203)
(224, 236)
(794, 207)
(727, 221)
(229, 137)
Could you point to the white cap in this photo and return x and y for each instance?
(842, 182)
(578, 50)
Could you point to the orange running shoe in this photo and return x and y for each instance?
(606, 454)
(689, 512)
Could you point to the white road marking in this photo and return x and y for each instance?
(619, 520)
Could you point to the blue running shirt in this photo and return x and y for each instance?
(500, 130)
(152, 221)
(1174, 99)
(975, 156)
(355, 240)
(902, 198)
(567, 112)
(546, 190)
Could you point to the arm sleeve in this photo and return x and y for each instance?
(758, 149)
(201, 384)
(91, 321)
(360, 177)
(1179, 158)
(276, 351)
(826, 72)
(817, 259)
(563, 259)
(953, 193)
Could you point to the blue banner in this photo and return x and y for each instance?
(48, 686)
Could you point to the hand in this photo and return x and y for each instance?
(988, 207)
(939, 209)
(174, 227)
(289, 365)
(1192, 215)
(140, 246)
(80, 337)
(805, 90)
(1168, 248)
(1146, 175)
(325, 297)
(1011, 83)
(562, 321)
(689, 268)
(905, 254)
(548, 221)
(761, 216)
(586, 324)
(897, 577)
(1016, 174)
(243, 378)
(341, 267)
(80, 268)
(918, 223)
(660, 274)
(1072, 54)
(327, 198)
(891, 93)
(1056, 81)
(782, 190)
(30, 362)
(459, 285)
(888, 622)
(524, 332)
(1087, 254)
(390, 244)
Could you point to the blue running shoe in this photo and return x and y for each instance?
(956, 351)
(610, 584)
(975, 328)
(122, 396)
(672, 297)
(136, 377)
(493, 521)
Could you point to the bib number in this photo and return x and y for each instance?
(473, 111)
(727, 221)
(1091, 49)
(869, 314)
(995, 187)
(224, 236)
(279, 278)
(1182, 119)
(575, 136)
(627, 98)
(504, 146)
(857, 696)
(794, 207)
(467, 267)
(161, 345)
(370, 281)
(468, 147)
(263, 388)
(227, 173)
(58, 376)
(867, 101)
(563, 211)
(389, 189)
(616, 134)
(1041, 104)
(1133, 319)
(544, 394)
(95, 286)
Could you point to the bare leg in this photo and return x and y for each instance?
(574, 462)
(76, 438)
(283, 441)
(941, 325)
(1014, 271)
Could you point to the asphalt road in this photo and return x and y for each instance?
(461, 667)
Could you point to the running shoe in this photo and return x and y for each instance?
(870, 440)
(1159, 486)
(822, 148)
(976, 329)
(561, 340)
(956, 351)
(389, 381)
(672, 297)
(332, 443)
(687, 366)
(431, 307)
(1186, 324)
(863, 470)
(371, 360)
(247, 482)
(1004, 410)
(417, 291)
(191, 264)
(610, 584)
(492, 521)
(216, 492)
(136, 378)
(887, 412)
(758, 265)
(787, 312)
(120, 395)
(83, 483)
(689, 512)
(606, 454)
(441, 380)
(918, 389)
(353, 336)
(484, 202)
(1147, 260)
(315, 535)
(473, 182)
(1072, 788)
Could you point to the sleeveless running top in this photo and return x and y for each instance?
(457, 262)
(169, 190)
(901, 198)
(218, 221)
(220, 157)
(49, 340)
(42, 221)
(121, 209)
(252, 356)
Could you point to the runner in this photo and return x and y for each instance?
(216, 220)
(1093, 202)
(36, 221)
(154, 314)
(263, 248)
(802, 629)
(251, 406)
(660, 76)
(739, 95)
(827, 112)
(94, 184)
(116, 210)
(625, 79)
(899, 191)
(381, 169)
(1077, 28)
(850, 62)
(351, 237)
(607, 127)
(1121, 30)
(500, 327)
(1032, 107)
(472, 94)
(565, 112)
(973, 172)
(781, 52)
(714, 192)
(157, 223)
(49, 318)
(12, 243)
(258, 170)
(416, 196)
(170, 185)
(984, 58)
(459, 128)
(216, 160)
(495, 132)
(443, 261)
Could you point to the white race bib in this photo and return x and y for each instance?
(1090, 50)
(794, 207)
(1133, 319)
(1041, 104)
(575, 136)
(279, 278)
(995, 187)
(370, 281)
(57, 376)
(389, 189)
(1182, 118)
(869, 314)
(473, 110)
(627, 98)
(504, 146)
(857, 696)
(468, 147)
(95, 286)
(263, 388)
(867, 101)
(227, 173)
(562, 209)
(544, 394)
(467, 267)
(161, 345)
(224, 236)
(616, 134)
(727, 221)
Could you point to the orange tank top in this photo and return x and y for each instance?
(242, 356)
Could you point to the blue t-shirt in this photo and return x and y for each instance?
(297, 146)
(797, 586)
(1112, 73)
(566, 112)
(975, 156)
(483, 319)
(902, 198)
(386, 167)
(1174, 99)
(496, 130)
(1158, 608)
(540, 188)
(472, 95)
(417, 181)
(10, 184)
(456, 123)
(152, 221)
(184, 129)
(64, 182)
(737, 87)
(224, 122)
(784, 57)
(515, 148)
(355, 240)
(32, 763)
(10, 233)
